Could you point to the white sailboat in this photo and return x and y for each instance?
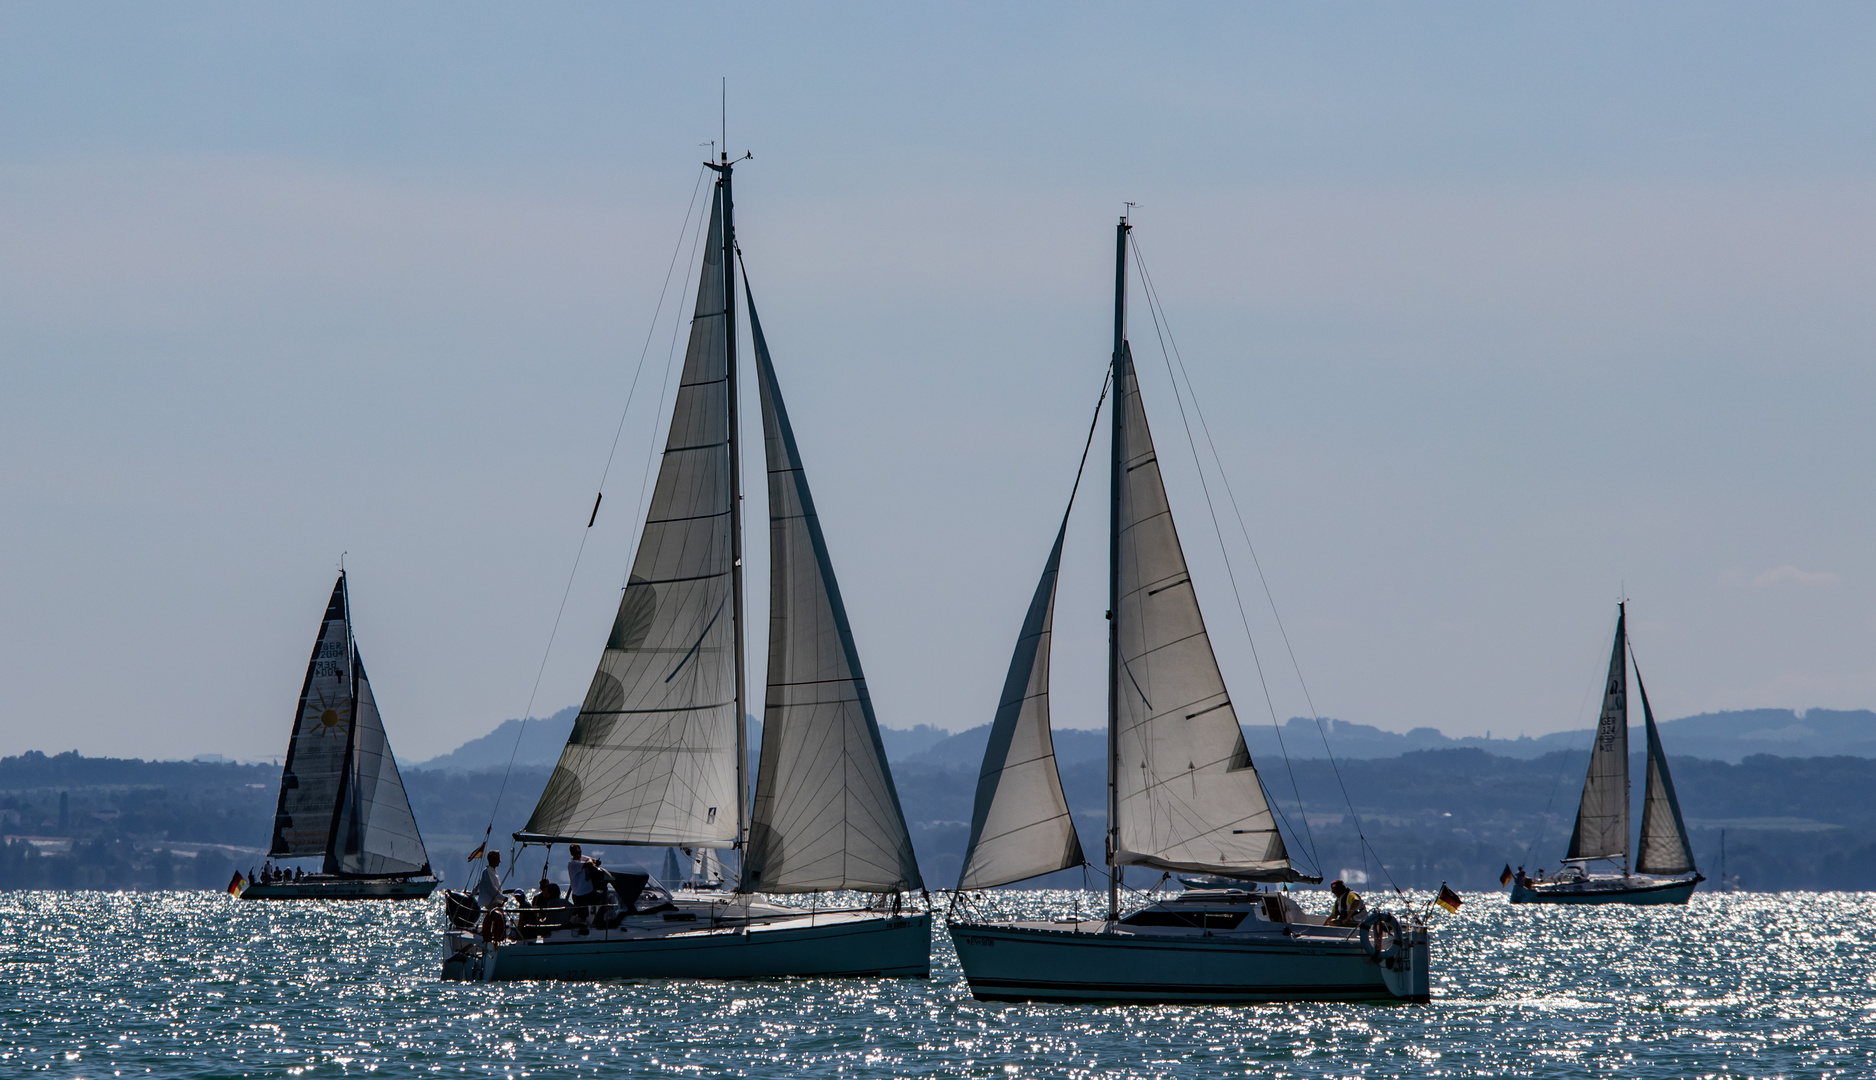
(1183, 796)
(657, 755)
(1664, 871)
(341, 796)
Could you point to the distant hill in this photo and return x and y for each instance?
(1722, 736)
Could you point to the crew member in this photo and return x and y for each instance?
(1348, 908)
(489, 890)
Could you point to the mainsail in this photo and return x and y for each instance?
(376, 833)
(1664, 849)
(1602, 819)
(1186, 796)
(317, 752)
(826, 814)
(652, 757)
(1020, 824)
(340, 792)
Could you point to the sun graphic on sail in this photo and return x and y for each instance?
(330, 716)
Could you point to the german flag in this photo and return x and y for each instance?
(239, 883)
(477, 853)
(1447, 899)
(1504, 879)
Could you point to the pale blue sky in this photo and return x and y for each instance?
(1496, 310)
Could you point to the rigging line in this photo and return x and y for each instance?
(1153, 309)
(585, 533)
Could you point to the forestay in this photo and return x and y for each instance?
(652, 757)
(1602, 818)
(1664, 848)
(1020, 824)
(826, 815)
(376, 832)
(1186, 794)
(316, 762)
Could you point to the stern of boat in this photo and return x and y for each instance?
(1409, 974)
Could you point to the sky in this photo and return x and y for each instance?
(1496, 314)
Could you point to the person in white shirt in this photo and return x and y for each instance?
(489, 890)
(578, 884)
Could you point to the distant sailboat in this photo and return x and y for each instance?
(1664, 871)
(657, 756)
(341, 797)
(1183, 796)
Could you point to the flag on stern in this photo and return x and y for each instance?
(1447, 899)
(239, 883)
(477, 853)
(1505, 878)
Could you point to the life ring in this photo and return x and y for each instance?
(1380, 936)
(494, 926)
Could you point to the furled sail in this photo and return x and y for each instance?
(1602, 819)
(826, 814)
(317, 757)
(376, 834)
(652, 757)
(1186, 794)
(1664, 848)
(1020, 824)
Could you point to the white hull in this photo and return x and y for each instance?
(1094, 961)
(342, 889)
(839, 943)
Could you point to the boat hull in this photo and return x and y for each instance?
(342, 889)
(1604, 891)
(1010, 962)
(828, 945)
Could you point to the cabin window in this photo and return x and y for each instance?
(1205, 920)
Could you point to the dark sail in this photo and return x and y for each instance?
(318, 751)
(1602, 818)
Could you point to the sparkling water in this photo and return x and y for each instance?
(202, 985)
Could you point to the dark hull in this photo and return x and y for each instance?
(1605, 891)
(342, 889)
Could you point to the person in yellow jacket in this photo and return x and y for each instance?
(1348, 908)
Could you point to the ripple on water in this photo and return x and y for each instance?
(198, 984)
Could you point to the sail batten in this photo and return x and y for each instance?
(1602, 817)
(826, 814)
(1186, 795)
(652, 756)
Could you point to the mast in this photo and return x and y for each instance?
(724, 169)
(1122, 372)
(348, 785)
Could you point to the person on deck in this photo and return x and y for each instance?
(489, 892)
(579, 886)
(1348, 908)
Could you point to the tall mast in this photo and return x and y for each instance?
(1122, 373)
(724, 169)
(1628, 784)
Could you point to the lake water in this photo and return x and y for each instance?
(202, 985)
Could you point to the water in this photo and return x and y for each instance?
(199, 985)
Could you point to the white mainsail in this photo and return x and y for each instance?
(317, 752)
(652, 758)
(1602, 818)
(826, 814)
(1186, 794)
(1020, 824)
(376, 832)
(1664, 849)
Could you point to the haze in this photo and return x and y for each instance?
(1496, 313)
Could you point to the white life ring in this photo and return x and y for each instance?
(1380, 937)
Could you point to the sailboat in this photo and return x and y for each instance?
(1183, 795)
(341, 797)
(657, 757)
(1664, 871)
